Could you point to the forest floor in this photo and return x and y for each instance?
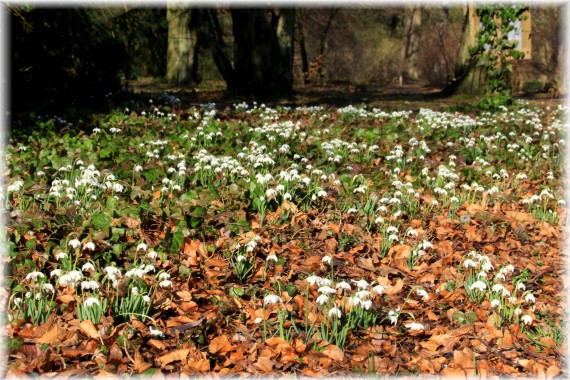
(406, 97)
(177, 238)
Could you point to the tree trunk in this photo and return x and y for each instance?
(263, 43)
(181, 42)
(303, 48)
(468, 78)
(211, 34)
(410, 48)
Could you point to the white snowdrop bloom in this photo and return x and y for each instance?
(379, 289)
(34, 275)
(60, 255)
(326, 290)
(112, 271)
(142, 247)
(91, 301)
(165, 284)
(327, 259)
(423, 293)
(495, 303)
(509, 268)
(279, 187)
(89, 285)
(335, 312)
(393, 237)
(343, 285)
(469, 263)
(74, 243)
(426, 244)
(117, 187)
(487, 266)
(271, 257)
(287, 196)
(138, 168)
(379, 220)
(156, 332)
(55, 273)
(87, 267)
(366, 304)
(479, 285)
(352, 210)
(163, 276)
(322, 193)
(89, 245)
(393, 316)
(526, 319)
(529, 298)
(325, 282)
(412, 232)
(361, 189)
(312, 280)
(361, 284)
(322, 299)
(391, 230)
(240, 258)
(363, 294)
(415, 326)
(48, 288)
(521, 286)
(146, 299)
(271, 298)
(270, 194)
(498, 288)
(135, 291)
(152, 255)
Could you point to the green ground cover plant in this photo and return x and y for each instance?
(288, 240)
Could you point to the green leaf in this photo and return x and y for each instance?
(177, 241)
(101, 221)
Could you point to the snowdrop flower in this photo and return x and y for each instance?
(322, 299)
(529, 298)
(48, 288)
(271, 257)
(138, 168)
(393, 316)
(363, 294)
(312, 280)
(495, 303)
(469, 263)
(34, 275)
(526, 319)
(415, 326)
(91, 301)
(55, 273)
(479, 285)
(146, 299)
(335, 312)
(142, 247)
(271, 298)
(89, 245)
(343, 285)
(156, 332)
(152, 255)
(393, 237)
(89, 285)
(361, 284)
(326, 290)
(498, 288)
(412, 232)
(379, 289)
(74, 243)
(240, 258)
(423, 293)
(165, 283)
(87, 267)
(163, 276)
(366, 304)
(361, 189)
(327, 259)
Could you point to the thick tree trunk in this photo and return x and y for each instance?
(263, 43)
(181, 42)
(303, 48)
(410, 48)
(468, 78)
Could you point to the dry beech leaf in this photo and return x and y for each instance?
(220, 344)
(140, 365)
(264, 364)
(178, 355)
(395, 289)
(334, 353)
(89, 329)
(54, 334)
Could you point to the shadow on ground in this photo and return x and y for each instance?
(406, 97)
